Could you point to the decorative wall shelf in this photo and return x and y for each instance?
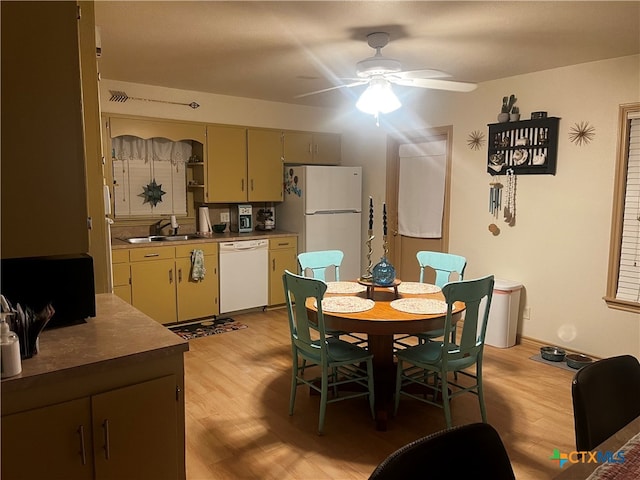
(529, 147)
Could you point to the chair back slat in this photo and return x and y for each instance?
(444, 264)
(319, 262)
(472, 293)
(297, 290)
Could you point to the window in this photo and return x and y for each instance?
(623, 284)
(149, 176)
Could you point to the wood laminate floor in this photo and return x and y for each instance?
(238, 427)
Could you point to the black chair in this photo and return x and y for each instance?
(466, 451)
(606, 397)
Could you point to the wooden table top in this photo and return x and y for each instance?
(383, 319)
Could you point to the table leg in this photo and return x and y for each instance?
(384, 373)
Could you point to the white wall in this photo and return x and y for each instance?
(558, 248)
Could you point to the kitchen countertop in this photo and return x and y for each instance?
(117, 243)
(118, 335)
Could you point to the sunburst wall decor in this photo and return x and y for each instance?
(152, 193)
(582, 133)
(475, 140)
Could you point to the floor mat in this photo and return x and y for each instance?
(207, 327)
(562, 364)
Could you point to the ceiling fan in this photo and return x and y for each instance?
(379, 72)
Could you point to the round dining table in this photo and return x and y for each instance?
(380, 324)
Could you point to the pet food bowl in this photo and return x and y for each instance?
(577, 360)
(553, 354)
(219, 227)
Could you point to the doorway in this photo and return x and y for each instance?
(420, 162)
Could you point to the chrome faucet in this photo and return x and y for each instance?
(173, 222)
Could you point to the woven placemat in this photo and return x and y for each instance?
(345, 287)
(417, 288)
(420, 306)
(346, 304)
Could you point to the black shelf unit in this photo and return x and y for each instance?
(529, 147)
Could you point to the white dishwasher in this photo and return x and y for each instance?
(244, 275)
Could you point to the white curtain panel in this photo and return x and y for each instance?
(422, 176)
(137, 163)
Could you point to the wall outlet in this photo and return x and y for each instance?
(526, 313)
(224, 217)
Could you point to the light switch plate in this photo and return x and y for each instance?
(224, 217)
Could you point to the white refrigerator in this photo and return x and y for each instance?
(323, 204)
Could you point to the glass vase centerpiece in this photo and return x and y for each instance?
(384, 274)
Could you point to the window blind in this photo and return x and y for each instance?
(629, 267)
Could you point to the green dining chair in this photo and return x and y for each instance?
(319, 264)
(340, 363)
(444, 265)
(434, 360)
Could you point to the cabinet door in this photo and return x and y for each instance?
(226, 164)
(153, 289)
(298, 147)
(327, 148)
(264, 165)
(197, 299)
(42, 185)
(135, 431)
(49, 442)
(121, 274)
(282, 256)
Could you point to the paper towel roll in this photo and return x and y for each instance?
(204, 221)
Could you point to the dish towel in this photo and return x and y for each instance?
(197, 265)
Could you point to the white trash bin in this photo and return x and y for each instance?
(503, 316)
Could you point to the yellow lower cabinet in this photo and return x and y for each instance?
(49, 442)
(129, 432)
(121, 274)
(153, 289)
(197, 298)
(282, 256)
(135, 431)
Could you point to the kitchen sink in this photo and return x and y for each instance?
(163, 238)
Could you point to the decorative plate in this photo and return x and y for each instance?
(520, 157)
(424, 306)
(418, 288)
(346, 304)
(345, 287)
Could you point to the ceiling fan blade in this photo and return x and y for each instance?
(346, 85)
(435, 84)
(426, 73)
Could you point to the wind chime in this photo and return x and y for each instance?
(496, 204)
(510, 207)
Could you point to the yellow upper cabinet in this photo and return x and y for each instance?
(243, 165)
(264, 165)
(226, 164)
(309, 148)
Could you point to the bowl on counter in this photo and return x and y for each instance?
(219, 227)
(553, 354)
(577, 360)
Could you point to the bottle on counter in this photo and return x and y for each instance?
(10, 362)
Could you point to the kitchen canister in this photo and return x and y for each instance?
(10, 362)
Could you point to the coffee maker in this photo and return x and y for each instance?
(241, 219)
(266, 219)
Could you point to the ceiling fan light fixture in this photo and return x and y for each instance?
(378, 98)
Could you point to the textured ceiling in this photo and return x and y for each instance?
(277, 50)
